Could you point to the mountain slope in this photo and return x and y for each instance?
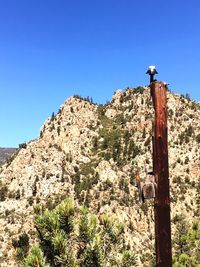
(91, 153)
(5, 153)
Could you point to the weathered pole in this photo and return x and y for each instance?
(161, 173)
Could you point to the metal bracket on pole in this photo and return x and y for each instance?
(147, 189)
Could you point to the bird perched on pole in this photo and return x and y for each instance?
(151, 71)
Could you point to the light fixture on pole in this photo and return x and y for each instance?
(151, 71)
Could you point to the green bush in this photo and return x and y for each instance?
(198, 138)
(21, 246)
(186, 244)
(128, 259)
(35, 258)
(3, 191)
(71, 236)
(138, 90)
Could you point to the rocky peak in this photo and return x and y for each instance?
(90, 153)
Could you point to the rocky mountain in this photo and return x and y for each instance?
(5, 153)
(90, 153)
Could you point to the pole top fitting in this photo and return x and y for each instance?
(152, 71)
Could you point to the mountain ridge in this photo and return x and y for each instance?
(90, 153)
(5, 153)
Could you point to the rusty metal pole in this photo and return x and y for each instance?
(161, 172)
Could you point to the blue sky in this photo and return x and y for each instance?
(50, 50)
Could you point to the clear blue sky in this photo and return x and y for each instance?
(52, 49)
